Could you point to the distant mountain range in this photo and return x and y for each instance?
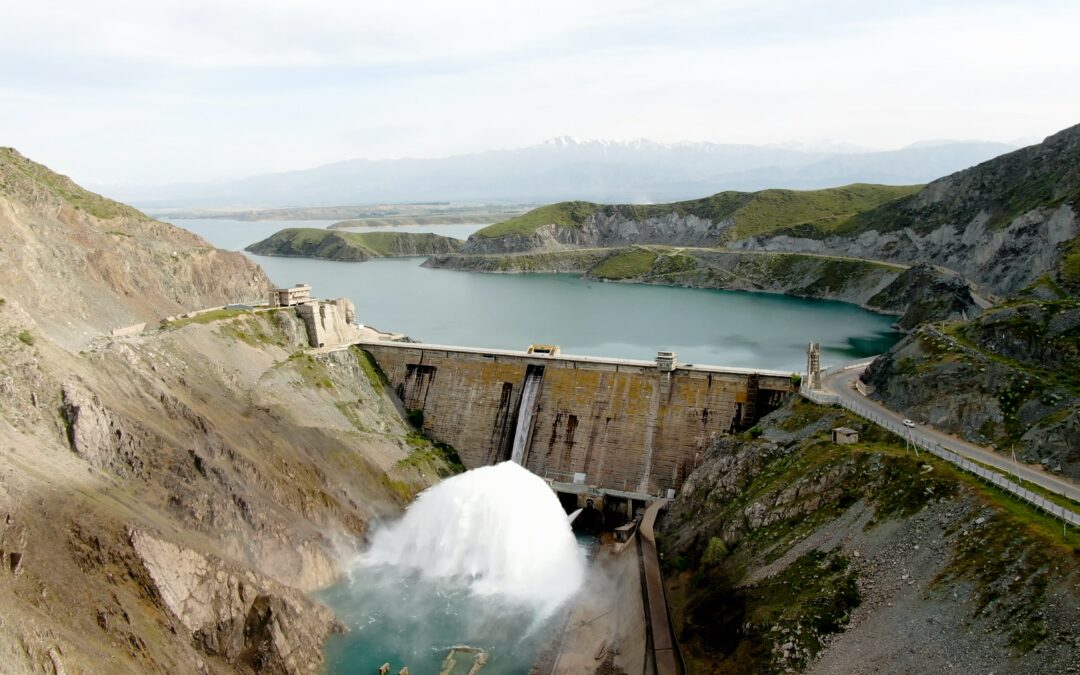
(565, 168)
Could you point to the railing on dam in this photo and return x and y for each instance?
(994, 478)
(573, 358)
(623, 424)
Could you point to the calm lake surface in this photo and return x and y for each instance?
(730, 328)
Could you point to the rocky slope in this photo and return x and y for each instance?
(1002, 224)
(306, 242)
(168, 497)
(701, 222)
(788, 553)
(82, 264)
(1009, 378)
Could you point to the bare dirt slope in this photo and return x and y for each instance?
(82, 264)
(166, 499)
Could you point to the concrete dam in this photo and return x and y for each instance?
(621, 425)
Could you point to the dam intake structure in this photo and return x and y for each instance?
(626, 425)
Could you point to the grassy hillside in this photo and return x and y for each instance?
(752, 212)
(310, 242)
(1045, 175)
(23, 179)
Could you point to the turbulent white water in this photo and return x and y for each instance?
(525, 414)
(500, 529)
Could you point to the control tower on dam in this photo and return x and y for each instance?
(634, 426)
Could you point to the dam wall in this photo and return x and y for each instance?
(637, 426)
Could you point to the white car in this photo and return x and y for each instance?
(909, 424)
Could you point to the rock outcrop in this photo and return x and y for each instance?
(1001, 224)
(706, 222)
(788, 553)
(237, 615)
(1008, 378)
(924, 294)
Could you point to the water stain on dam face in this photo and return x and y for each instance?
(627, 425)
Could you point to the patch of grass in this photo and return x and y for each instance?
(312, 371)
(1069, 271)
(432, 457)
(348, 410)
(906, 487)
(1045, 282)
(674, 264)
(26, 338)
(206, 317)
(253, 331)
(625, 263)
(313, 242)
(820, 211)
(372, 370)
(715, 552)
(802, 414)
(402, 490)
(19, 174)
(563, 214)
(740, 629)
(1009, 566)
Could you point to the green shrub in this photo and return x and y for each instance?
(755, 432)
(715, 552)
(26, 338)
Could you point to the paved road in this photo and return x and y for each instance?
(842, 384)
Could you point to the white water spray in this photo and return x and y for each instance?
(500, 529)
(525, 413)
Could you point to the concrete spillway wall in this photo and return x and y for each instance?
(627, 425)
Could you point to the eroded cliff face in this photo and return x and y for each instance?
(1002, 224)
(1007, 379)
(1000, 260)
(788, 553)
(607, 230)
(168, 497)
(82, 264)
(224, 440)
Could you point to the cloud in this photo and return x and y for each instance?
(120, 91)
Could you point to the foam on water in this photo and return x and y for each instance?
(499, 529)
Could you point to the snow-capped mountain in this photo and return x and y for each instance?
(565, 167)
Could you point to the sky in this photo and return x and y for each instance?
(138, 92)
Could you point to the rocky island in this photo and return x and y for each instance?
(325, 244)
